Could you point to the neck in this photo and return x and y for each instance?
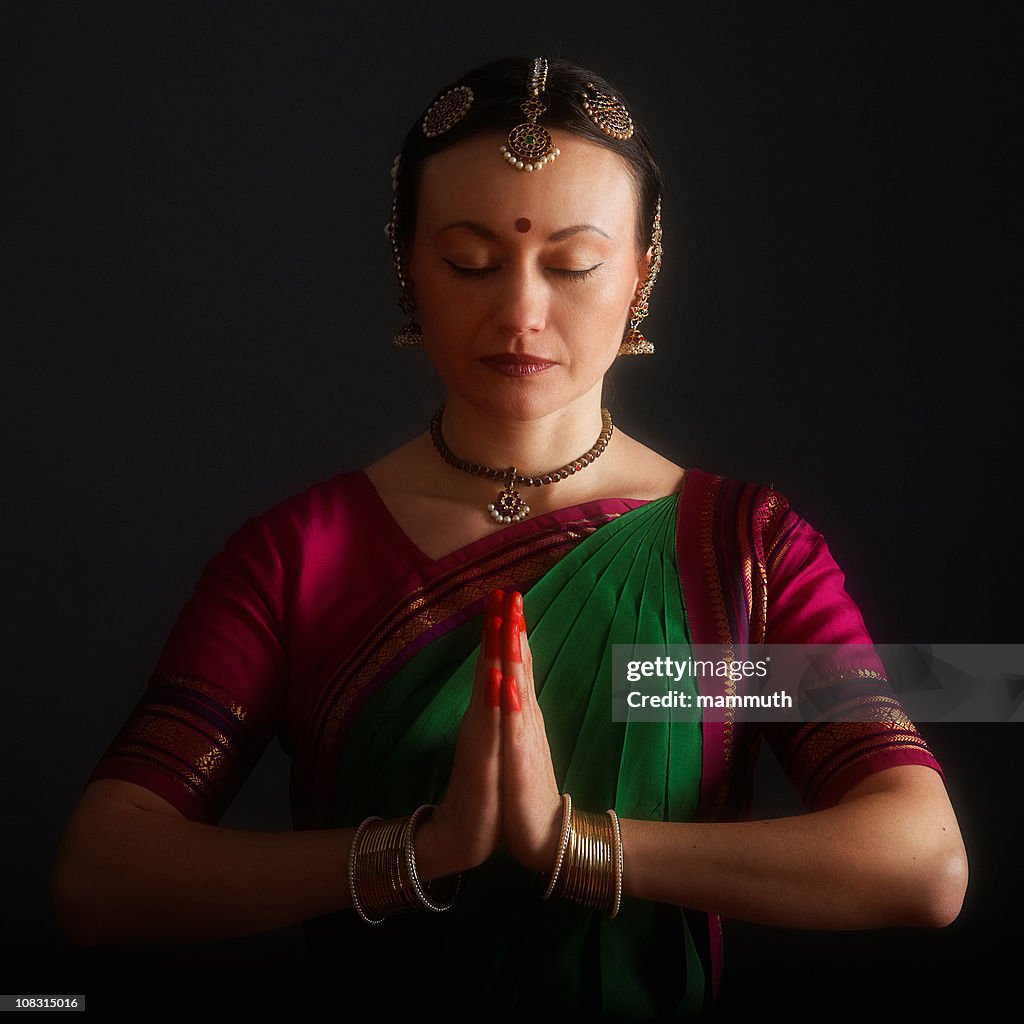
(533, 446)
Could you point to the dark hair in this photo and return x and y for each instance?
(499, 88)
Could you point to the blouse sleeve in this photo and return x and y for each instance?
(867, 729)
(217, 693)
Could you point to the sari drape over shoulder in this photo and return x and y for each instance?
(322, 622)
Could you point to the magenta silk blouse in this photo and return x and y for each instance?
(296, 589)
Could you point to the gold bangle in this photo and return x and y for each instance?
(353, 854)
(381, 878)
(617, 851)
(591, 870)
(379, 882)
(563, 844)
(422, 892)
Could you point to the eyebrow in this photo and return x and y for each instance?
(558, 236)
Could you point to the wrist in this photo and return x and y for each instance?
(548, 851)
(435, 857)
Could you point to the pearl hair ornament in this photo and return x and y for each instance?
(529, 147)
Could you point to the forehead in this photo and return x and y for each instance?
(588, 183)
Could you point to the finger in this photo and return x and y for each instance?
(510, 694)
(512, 613)
(488, 675)
(527, 654)
(492, 639)
(514, 732)
(493, 688)
(528, 686)
(495, 603)
(490, 647)
(488, 658)
(512, 648)
(515, 626)
(512, 656)
(518, 660)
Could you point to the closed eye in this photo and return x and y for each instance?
(470, 271)
(576, 275)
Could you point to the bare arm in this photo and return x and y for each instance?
(131, 868)
(889, 853)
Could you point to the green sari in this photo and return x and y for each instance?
(618, 585)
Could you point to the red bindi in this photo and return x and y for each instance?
(523, 225)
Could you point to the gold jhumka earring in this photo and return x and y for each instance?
(634, 343)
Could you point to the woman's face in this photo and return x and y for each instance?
(507, 264)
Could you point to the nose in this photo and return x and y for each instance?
(521, 303)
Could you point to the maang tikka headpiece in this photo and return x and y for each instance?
(528, 146)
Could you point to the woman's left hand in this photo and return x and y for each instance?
(531, 803)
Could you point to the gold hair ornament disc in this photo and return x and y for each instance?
(607, 113)
(447, 111)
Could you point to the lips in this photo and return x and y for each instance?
(517, 364)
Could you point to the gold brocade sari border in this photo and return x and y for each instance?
(723, 634)
(739, 530)
(194, 733)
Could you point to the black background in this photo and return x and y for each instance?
(199, 318)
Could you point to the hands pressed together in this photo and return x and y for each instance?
(502, 787)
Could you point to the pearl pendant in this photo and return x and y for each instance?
(509, 506)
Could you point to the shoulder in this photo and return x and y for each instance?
(347, 494)
(330, 513)
(765, 571)
(726, 507)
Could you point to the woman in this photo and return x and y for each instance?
(438, 630)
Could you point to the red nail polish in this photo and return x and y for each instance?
(495, 602)
(493, 688)
(513, 650)
(492, 637)
(510, 694)
(517, 602)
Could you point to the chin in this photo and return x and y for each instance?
(520, 399)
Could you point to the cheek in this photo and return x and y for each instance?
(435, 292)
(607, 303)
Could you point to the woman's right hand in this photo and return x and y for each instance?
(465, 827)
